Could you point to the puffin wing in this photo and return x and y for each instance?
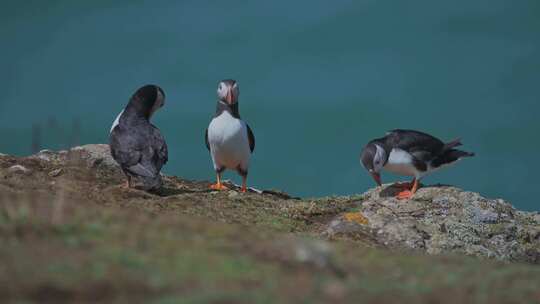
(206, 139)
(423, 147)
(161, 151)
(125, 151)
(139, 156)
(251, 139)
(142, 170)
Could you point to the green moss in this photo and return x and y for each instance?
(194, 246)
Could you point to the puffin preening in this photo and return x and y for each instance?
(137, 145)
(409, 153)
(228, 138)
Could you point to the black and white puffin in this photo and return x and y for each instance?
(228, 138)
(409, 153)
(137, 145)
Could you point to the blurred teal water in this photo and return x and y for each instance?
(318, 80)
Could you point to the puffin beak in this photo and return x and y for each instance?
(229, 97)
(376, 177)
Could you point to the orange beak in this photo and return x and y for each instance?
(376, 177)
(229, 98)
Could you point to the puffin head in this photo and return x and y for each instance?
(373, 158)
(228, 91)
(147, 100)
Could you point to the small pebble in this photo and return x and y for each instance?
(55, 173)
(18, 169)
(44, 155)
(537, 218)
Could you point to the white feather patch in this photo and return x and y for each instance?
(401, 162)
(229, 143)
(116, 121)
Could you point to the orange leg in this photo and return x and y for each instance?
(127, 185)
(407, 194)
(244, 184)
(218, 185)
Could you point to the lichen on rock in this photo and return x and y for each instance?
(438, 220)
(444, 219)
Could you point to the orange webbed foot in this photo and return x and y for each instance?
(403, 195)
(218, 186)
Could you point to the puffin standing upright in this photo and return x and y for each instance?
(137, 145)
(228, 138)
(409, 153)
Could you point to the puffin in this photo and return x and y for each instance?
(136, 144)
(409, 153)
(229, 139)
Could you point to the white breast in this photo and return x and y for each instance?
(400, 162)
(116, 121)
(228, 140)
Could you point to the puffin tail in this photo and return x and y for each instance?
(146, 178)
(454, 143)
(450, 156)
(152, 183)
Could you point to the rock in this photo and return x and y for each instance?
(484, 216)
(18, 169)
(50, 156)
(438, 220)
(45, 155)
(98, 155)
(442, 220)
(56, 172)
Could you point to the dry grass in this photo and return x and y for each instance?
(80, 238)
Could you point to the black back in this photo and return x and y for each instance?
(137, 145)
(424, 148)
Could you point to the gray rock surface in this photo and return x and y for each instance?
(438, 220)
(93, 155)
(45, 155)
(55, 173)
(443, 219)
(18, 169)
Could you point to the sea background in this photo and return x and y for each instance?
(318, 79)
